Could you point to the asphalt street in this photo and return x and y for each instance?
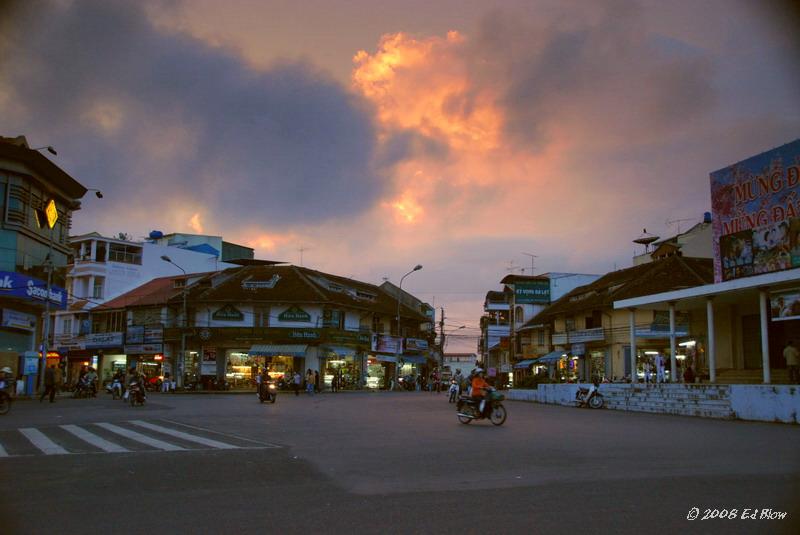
(385, 463)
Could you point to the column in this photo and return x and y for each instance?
(762, 298)
(711, 345)
(634, 376)
(673, 367)
(93, 251)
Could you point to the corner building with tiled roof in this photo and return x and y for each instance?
(285, 317)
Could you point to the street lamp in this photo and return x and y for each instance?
(178, 371)
(397, 342)
(97, 192)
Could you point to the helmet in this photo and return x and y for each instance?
(478, 371)
(5, 369)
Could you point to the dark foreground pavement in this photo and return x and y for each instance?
(390, 463)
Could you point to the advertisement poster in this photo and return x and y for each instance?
(756, 214)
(531, 292)
(209, 364)
(387, 344)
(785, 305)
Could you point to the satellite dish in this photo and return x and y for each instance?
(646, 239)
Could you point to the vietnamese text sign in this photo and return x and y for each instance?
(14, 284)
(528, 292)
(756, 214)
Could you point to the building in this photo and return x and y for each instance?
(753, 306)
(495, 326)
(581, 335)
(214, 245)
(102, 268)
(695, 243)
(37, 202)
(286, 317)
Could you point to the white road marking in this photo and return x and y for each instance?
(138, 437)
(94, 440)
(39, 440)
(185, 436)
(3, 452)
(229, 435)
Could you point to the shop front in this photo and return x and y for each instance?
(148, 359)
(341, 367)
(380, 371)
(281, 361)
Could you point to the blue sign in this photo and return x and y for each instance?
(14, 284)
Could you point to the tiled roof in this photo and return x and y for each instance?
(293, 284)
(156, 292)
(511, 279)
(663, 275)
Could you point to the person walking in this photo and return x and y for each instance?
(660, 368)
(310, 382)
(165, 382)
(259, 379)
(49, 384)
(316, 381)
(296, 382)
(790, 354)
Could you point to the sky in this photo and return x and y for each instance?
(375, 135)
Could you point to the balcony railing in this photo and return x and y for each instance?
(587, 335)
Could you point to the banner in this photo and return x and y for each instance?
(785, 305)
(756, 214)
(530, 292)
(387, 344)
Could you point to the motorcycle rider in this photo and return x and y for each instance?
(479, 386)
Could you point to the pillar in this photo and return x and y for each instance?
(762, 298)
(634, 376)
(711, 345)
(673, 366)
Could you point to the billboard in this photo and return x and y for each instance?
(785, 305)
(530, 292)
(756, 214)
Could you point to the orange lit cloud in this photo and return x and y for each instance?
(194, 223)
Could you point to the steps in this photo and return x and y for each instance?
(751, 377)
(709, 401)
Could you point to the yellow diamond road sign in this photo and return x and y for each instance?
(52, 213)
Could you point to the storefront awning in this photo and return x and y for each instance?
(275, 350)
(553, 356)
(386, 358)
(338, 351)
(413, 359)
(524, 364)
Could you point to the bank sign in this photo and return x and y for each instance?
(756, 214)
(14, 284)
(529, 292)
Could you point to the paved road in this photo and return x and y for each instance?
(383, 463)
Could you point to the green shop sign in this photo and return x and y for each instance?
(295, 313)
(529, 292)
(228, 313)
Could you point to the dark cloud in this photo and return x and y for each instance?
(155, 118)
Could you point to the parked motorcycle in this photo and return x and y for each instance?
(590, 396)
(468, 409)
(135, 394)
(268, 392)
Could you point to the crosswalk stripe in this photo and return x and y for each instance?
(93, 439)
(138, 437)
(185, 436)
(39, 440)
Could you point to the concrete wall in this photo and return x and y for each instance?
(744, 402)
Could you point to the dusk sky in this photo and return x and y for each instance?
(377, 135)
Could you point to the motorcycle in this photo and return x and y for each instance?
(84, 389)
(5, 399)
(407, 383)
(135, 394)
(115, 389)
(468, 409)
(590, 397)
(268, 392)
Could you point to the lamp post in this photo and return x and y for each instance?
(178, 371)
(397, 342)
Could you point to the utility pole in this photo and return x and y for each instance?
(441, 340)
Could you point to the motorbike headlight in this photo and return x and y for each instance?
(272, 387)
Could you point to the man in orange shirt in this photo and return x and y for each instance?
(479, 386)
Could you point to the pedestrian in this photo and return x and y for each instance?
(49, 384)
(647, 371)
(660, 368)
(296, 381)
(165, 382)
(310, 382)
(790, 354)
(316, 381)
(259, 379)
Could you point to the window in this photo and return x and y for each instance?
(541, 337)
(97, 291)
(66, 327)
(518, 316)
(333, 319)
(377, 325)
(569, 324)
(126, 254)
